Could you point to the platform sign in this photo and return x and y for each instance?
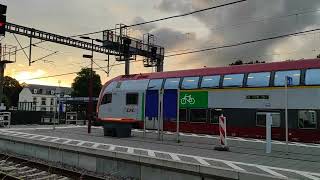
(193, 99)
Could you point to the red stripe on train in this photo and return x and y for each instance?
(299, 135)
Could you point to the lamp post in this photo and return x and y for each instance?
(90, 108)
(57, 94)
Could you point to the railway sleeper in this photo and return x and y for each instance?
(38, 174)
(50, 176)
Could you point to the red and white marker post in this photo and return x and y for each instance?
(223, 134)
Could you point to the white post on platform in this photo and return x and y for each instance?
(144, 115)
(288, 81)
(268, 132)
(161, 115)
(159, 112)
(178, 116)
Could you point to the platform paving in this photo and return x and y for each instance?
(301, 162)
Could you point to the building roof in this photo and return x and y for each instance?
(43, 89)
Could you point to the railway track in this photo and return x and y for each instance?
(17, 168)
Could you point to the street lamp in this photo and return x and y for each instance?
(90, 108)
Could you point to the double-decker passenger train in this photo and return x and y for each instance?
(243, 93)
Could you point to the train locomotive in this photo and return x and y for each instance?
(244, 94)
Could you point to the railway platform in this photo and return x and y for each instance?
(146, 157)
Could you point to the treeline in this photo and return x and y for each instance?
(240, 62)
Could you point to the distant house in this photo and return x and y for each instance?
(42, 98)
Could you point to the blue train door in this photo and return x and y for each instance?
(152, 109)
(170, 97)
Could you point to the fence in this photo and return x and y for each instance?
(72, 118)
(5, 119)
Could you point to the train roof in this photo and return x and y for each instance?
(246, 68)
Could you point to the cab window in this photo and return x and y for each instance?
(107, 99)
(132, 98)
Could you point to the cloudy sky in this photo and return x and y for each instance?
(245, 21)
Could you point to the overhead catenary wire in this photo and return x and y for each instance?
(100, 67)
(20, 46)
(261, 19)
(195, 51)
(190, 49)
(166, 18)
(147, 22)
(44, 57)
(241, 43)
(288, 15)
(34, 45)
(65, 74)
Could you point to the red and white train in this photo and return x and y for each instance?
(243, 93)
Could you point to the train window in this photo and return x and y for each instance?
(190, 83)
(214, 116)
(261, 79)
(198, 115)
(107, 99)
(132, 98)
(261, 118)
(210, 81)
(183, 115)
(307, 119)
(280, 76)
(233, 80)
(155, 84)
(172, 83)
(313, 77)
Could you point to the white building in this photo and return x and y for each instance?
(42, 98)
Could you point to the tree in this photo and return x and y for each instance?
(237, 62)
(80, 84)
(11, 91)
(240, 62)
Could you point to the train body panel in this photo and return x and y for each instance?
(265, 98)
(118, 106)
(141, 96)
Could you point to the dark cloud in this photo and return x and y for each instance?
(167, 37)
(170, 38)
(240, 14)
(143, 28)
(173, 6)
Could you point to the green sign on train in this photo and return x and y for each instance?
(194, 99)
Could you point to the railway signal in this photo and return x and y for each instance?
(3, 19)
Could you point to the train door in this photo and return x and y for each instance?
(152, 109)
(170, 98)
